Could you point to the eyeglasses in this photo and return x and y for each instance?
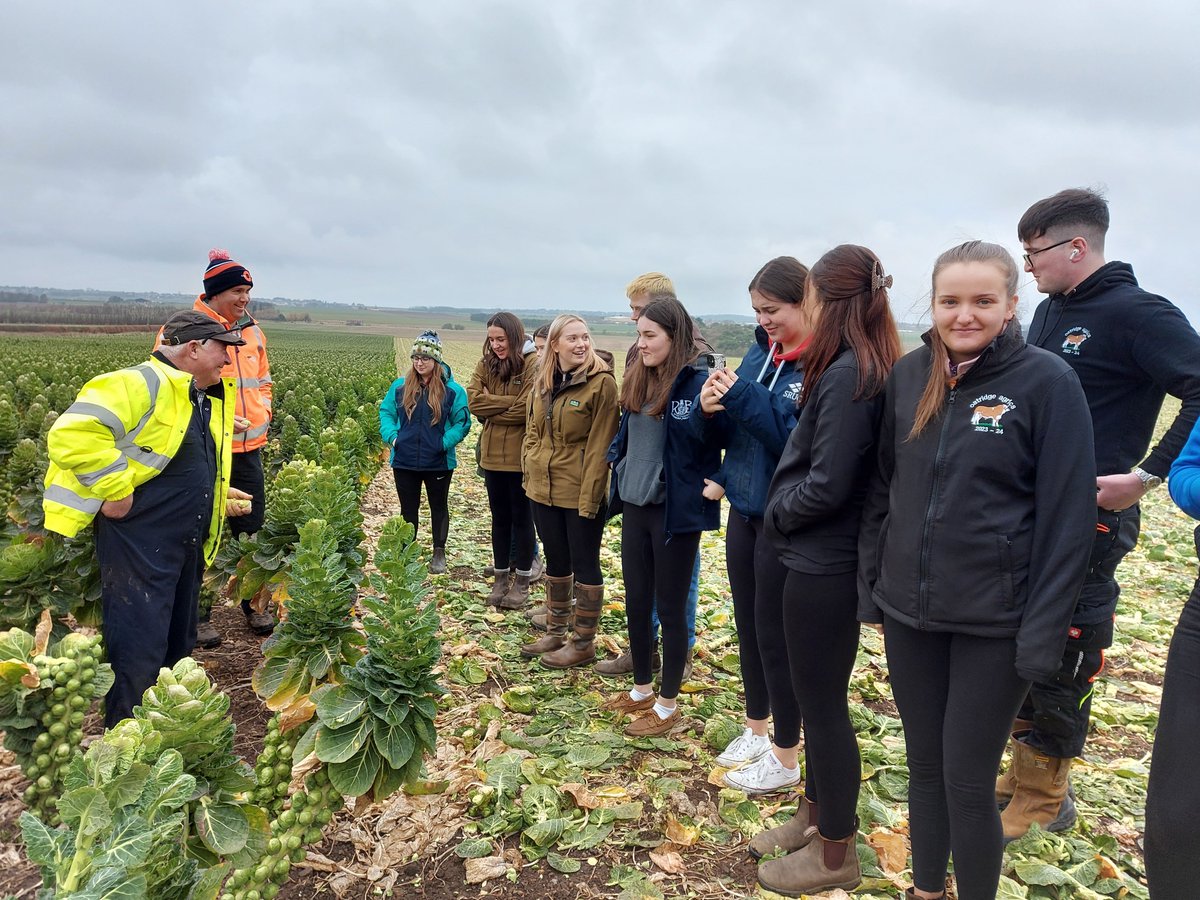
(422, 359)
(1032, 253)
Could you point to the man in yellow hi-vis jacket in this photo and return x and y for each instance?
(144, 453)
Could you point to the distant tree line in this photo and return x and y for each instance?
(730, 338)
(114, 311)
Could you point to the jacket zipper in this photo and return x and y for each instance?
(923, 598)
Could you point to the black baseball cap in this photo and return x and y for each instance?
(191, 325)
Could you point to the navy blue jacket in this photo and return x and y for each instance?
(418, 443)
(687, 461)
(760, 413)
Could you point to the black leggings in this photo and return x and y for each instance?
(437, 488)
(821, 625)
(756, 578)
(957, 695)
(570, 543)
(512, 519)
(246, 474)
(658, 575)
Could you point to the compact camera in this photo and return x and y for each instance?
(714, 361)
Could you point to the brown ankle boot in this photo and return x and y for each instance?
(1041, 795)
(558, 617)
(518, 595)
(581, 648)
(499, 588)
(1006, 784)
(820, 865)
(793, 834)
(534, 612)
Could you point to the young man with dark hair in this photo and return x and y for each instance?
(1130, 349)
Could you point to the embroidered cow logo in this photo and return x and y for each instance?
(681, 409)
(988, 410)
(1073, 339)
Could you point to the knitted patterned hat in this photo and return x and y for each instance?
(427, 344)
(223, 273)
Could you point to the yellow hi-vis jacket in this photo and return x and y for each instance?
(121, 431)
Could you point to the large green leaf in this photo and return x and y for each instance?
(127, 846)
(354, 776)
(338, 745)
(256, 840)
(88, 807)
(546, 834)
(208, 885)
(394, 742)
(338, 706)
(222, 827)
(275, 675)
(113, 884)
(42, 845)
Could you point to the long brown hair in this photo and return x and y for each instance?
(651, 387)
(513, 364)
(849, 283)
(934, 396)
(549, 367)
(435, 395)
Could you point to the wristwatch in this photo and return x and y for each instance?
(1149, 482)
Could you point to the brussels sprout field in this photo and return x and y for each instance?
(389, 739)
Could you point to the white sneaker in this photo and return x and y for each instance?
(744, 748)
(764, 775)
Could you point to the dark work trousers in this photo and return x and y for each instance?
(756, 578)
(512, 518)
(820, 621)
(570, 543)
(151, 562)
(1172, 826)
(957, 695)
(246, 474)
(657, 571)
(1061, 709)
(437, 489)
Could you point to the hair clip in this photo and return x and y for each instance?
(879, 280)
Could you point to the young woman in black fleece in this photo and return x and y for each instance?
(812, 517)
(975, 542)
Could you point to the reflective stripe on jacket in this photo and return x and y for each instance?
(249, 366)
(121, 431)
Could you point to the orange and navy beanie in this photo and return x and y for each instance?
(223, 273)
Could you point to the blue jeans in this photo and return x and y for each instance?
(693, 600)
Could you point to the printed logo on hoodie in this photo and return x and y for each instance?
(1073, 338)
(987, 411)
(792, 394)
(681, 409)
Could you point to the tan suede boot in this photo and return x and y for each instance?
(537, 612)
(499, 587)
(581, 648)
(518, 594)
(1007, 782)
(791, 835)
(820, 865)
(558, 616)
(1041, 794)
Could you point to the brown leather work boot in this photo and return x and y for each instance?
(518, 594)
(623, 664)
(499, 588)
(581, 648)
(1041, 795)
(820, 865)
(1007, 782)
(558, 617)
(793, 834)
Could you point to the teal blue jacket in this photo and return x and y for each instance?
(417, 442)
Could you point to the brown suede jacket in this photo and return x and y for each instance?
(501, 407)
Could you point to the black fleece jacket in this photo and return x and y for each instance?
(983, 524)
(815, 500)
(1129, 349)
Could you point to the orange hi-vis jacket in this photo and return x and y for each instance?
(250, 367)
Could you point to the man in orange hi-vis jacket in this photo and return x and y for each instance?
(226, 296)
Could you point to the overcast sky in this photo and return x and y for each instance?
(520, 154)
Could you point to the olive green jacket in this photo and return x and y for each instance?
(501, 407)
